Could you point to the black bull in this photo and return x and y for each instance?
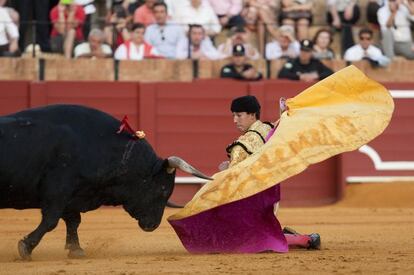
(67, 159)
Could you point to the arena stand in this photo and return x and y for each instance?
(149, 70)
(191, 119)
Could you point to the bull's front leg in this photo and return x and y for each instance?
(72, 220)
(49, 221)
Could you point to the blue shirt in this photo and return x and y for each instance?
(165, 38)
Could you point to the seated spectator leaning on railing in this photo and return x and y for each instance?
(395, 19)
(239, 68)
(238, 35)
(136, 48)
(322, 41)
(94, 48)
(365, 50)
(199, 46)
(145, 14)
(228, 12)
(9, 34)
(285, 46)
(197, 12)
(67, 19)
(163, 35)
(305, 67)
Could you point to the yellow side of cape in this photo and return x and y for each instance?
(338, 114)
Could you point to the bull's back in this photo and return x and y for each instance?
(87, 121)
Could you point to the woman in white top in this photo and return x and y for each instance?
(136, 48)
(322, 44)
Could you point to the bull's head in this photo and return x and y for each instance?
(157, 190)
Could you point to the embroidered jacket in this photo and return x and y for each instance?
(249, 142)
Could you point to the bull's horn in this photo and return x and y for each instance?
(173, 205)
(176, 162)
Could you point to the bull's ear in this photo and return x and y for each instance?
(163, 165)
(167, 167)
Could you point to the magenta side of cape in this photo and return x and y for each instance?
(244, 226)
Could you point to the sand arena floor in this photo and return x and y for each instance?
(370, 231)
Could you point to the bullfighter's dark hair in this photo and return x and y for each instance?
(248, 104)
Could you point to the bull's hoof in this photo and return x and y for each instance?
(24, 251)
(77, 253)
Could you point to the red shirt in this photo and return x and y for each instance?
(144, 15)
(79, 16)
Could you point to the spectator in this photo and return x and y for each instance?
(133, 5)
(116, 29)
(163, 35)
(342, 15)
(228, 12)
(365, 50)
(89, 9)
(395, 19)
(199, 46)
(285, 46)
(9, 34)
(198, 12)
(259, 16)
(144, 13)
(67, 19)
(94, 48)
(14, 15)
(239, 35)
(305, 67)
(322, 44)
(239, 69)
(34, 10)
(297, 13)
(137, 48)
(372, 10)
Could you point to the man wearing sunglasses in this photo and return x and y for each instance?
(163, 35)
(365, 50)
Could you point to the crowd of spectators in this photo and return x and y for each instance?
(209, 29)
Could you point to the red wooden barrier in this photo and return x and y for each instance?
(14, 96)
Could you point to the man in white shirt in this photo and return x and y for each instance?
(395, 19)
(9, 34)
(136, 48)
(163, 35)
(285, 46)
(94, 48)
(198, 12)
(365, 50)
(199, 46)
